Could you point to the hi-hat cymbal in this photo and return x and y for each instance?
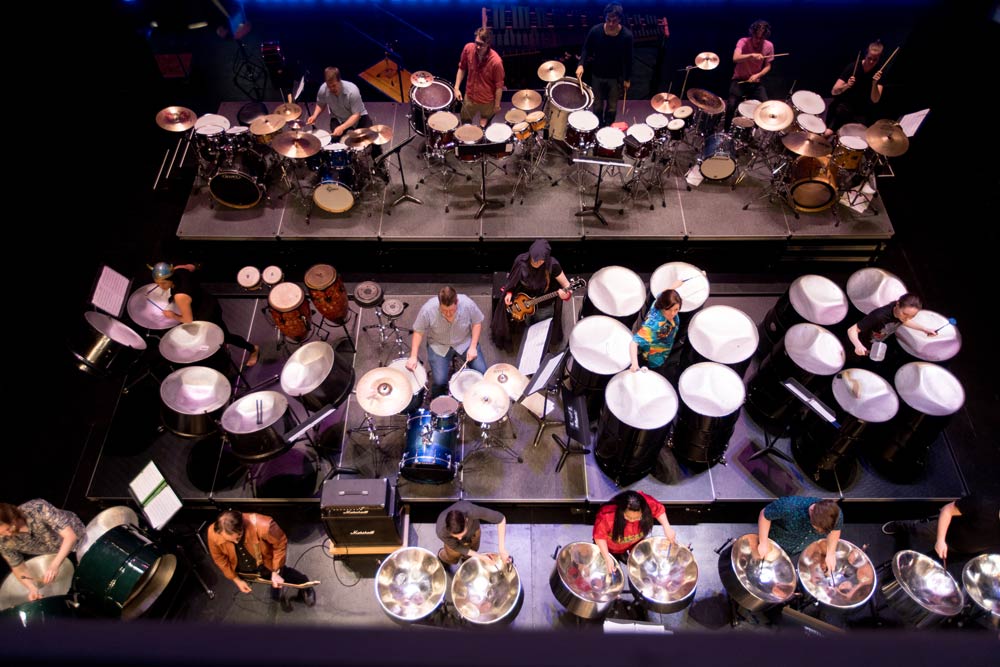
(360, 137)
(551, 70)
(268, 124)
(886, 137)
(421, 79)
(706, 60)
(384, 133)
(384, 392)
(808, 144)
(509, 377)
(176, 119)
(288, 111)
(486, 402)
(665, 102)
(296, 144)
(707, 101)
(773, 115)
(526, 100)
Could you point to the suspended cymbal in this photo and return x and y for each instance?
(773, 115)
(176, 119)
(384, 392)
(707, 101)
(268, 124)
(551, 70)
(509, 377)
(808, 144)
(665, 102)
(421, 79)
(288, 111)
(486, 402)
(384, 133)
(296, 144)
(360, 137)
(706, 60)
(526, 100)
(887, 138)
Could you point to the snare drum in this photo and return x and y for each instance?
(610, 142)
(326, 289)
(849, 152)
(718, 161)
(742, 130)
(522, 131)
(683, 112)
(437, 96)
(582, 131)
(468, 135)
(537, 121)
(442, 126)
(813, 184)
(675, 128)
(808, 102)
(514, 116)
(324, 137)
(335, 155)
(290, 311)
(238, 138)
(462, 382)
(500, 134)
(658, 122)
(810, 123)
(249, 278)
(747, 108)
(272, 275)
(418, 383)
(641, 144)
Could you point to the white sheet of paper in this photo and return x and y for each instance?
(910, 123)
(110, 293)
(533, 346)
(162, 507)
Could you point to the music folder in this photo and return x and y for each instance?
(157, 500)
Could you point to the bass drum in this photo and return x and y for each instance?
(123, 573)
(718, 160)
(813, 184)
(431, 455)
(239, 180)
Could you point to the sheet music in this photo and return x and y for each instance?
(811, 401)
(533, 346)
(110, 292)
(910, 123)
(158, 501)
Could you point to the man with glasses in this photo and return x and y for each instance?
(607, 55)
(482, 70)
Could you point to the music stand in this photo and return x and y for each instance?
(546, 380)
(110, 291)
(577, 426)
(480, 152)
(601, 163)
(796, 389)
(405, 195)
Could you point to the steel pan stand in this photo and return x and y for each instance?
(404, 193)
(484, 202)
(489, 440)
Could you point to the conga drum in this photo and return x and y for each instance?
(326, 289)
(929, 396)
(807, 353)
(638, 413)
(810, 298)
(711, 395)
(827, 452)
(598, 348)
(722, 334)
(290, 311)
(616, 292)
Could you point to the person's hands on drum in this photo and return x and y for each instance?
(471, 355)
(171, 315)
(505, 557)
(411, 364)
(579, 72)
(634, 367)
(670, 534)
(242, 585)
(33, 593)
(51, 573)
(941, 548)
(764, 548)
(276, 580)
(337, 131)
(830, 561)
(609, 561)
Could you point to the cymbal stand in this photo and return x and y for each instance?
(778, 187)
(370, 192)
(638, 185)
(490, 440)
(868, 179)
(761, 152)
(369, 426)
(580, 175)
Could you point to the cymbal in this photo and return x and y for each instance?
(773, 115)
(383, 392)
(360, 137)
(509, 377)
(384, 133)
(551, 70)
(808, 144)
(526, 100)
(421, 79)
(706, 60)
(176, 119)
(665, 102)
(288, 111)
(887, 138)
(268, 124)
(707, 101)
(486, 402)
(296, 144)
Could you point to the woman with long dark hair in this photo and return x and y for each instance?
(625, 521)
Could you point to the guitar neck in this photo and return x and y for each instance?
(543, 298)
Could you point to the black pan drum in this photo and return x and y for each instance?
(711, 395)
(722, 334)
(598, 348)
(616, 292)
(810, 298)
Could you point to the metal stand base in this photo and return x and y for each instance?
(490, 441)
(568, 449)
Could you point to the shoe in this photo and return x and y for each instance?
(285, 603)
(308, 597)
(890, 527)
(254, 357)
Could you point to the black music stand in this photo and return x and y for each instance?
(480, 152)
(546, 380)
(405, 195)
(601, 163)
(577, 426)
(795, 388)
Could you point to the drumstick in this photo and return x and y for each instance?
(778, 55)
(888, 61)
(856, 61)
(951, 320)
(579, 82)
(155, 304)
(624, 100)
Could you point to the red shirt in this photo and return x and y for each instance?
(605, 523)
(482, 79)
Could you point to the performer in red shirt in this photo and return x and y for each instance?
(625, 521)
(482, 70)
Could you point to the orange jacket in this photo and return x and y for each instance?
(263, 538)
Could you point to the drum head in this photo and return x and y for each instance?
(443, 406)
(641, 132)
(462, 382)
(212, 119)
(808, 102)
(438, 95)
(333, 197)
(442, 121)
(272, 275)
(865, 395)
(600, 344)
(307, 368)
(324, 137)
(566, 94)
(694, 290)
(656, 121)
(195, 390)
(209, 130)
(942, 347)
(683, 112)
(115, 330)
(534, 117)
(723, 334)
(320, 276)
(515, 116)
(584, 121)
(929, 389)
(393, 308)
(192, 342)
(248, 277)
(814, 349)
(747, 107)
(368, 293)
(616, 290)
(146, 305)
(286, 297)
(872, 288)
(854, 143)
(643, 400)
(418, 376)
(254, 412)
(411, 582)
(811, 123)
(711, 389)
(609, 137)
(469, 134)
(498, 133)
(676, 124)
(818, 299)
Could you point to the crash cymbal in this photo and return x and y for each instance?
(887, 138)
(509, 377)
(707, 101)
(808, 144)
(384, 392)
(296, 144)
(551, 70)
(288, 111)
(706, 60)
(665, 102)
(268, 124)
(526, 100)
(384, 133)
(360, 137)
(176, 119)
(486, 402)
(421, 79)
(773, 115)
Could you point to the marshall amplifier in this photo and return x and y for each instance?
(360, 512)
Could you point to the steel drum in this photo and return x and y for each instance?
(807, 353)
(942, 347)
(921, 591)
(872, 288)
(581, 582)
(146, 305)
(120, 515)
(828, 454)
(256, 424)
(852, 582)
(410, 584)
(663, 574)
(13, 594)
(616, 292)
(318, 376)
(485, 592)
(192, 400)
(694, 291)
(756, 583)
(711, 395)
(638, 414)
(598, 348)
(929, 396)
(981, 578)
(810, 298)
(192, 342)
(722, 334)
(104, 345)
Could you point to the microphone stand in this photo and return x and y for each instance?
(405, 196)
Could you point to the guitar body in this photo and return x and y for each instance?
(521, 307)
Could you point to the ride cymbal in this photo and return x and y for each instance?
(526, 100)
(383, 392)
(176, 119)
(509, 377)
(360, 137)
(551, 70)
(296, 144)
(268, 124)
(773, 115)
(665, 102)
(421, 79)
(707, 101)
(706, 60)
(288, 111)
(808, 144)
(384, 133)
(486, 402)
(886, 137)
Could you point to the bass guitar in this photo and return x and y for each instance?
(522, 305)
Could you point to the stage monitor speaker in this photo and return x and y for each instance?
(360, 512)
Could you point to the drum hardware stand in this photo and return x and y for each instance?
(196, 533)
(388, 331)
(489, 440)
(579, 174)
(369, 426)
(528, 163)
(595, 210)
(637, 186)
(289, 175)
(778, 187)
(445, 172)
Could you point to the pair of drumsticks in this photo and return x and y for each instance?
(886, 64)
